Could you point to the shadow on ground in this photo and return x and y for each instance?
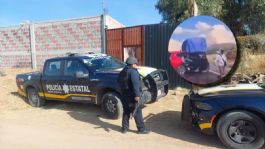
(166, 123)
(169, 124)
(18, 95)
(84, 112)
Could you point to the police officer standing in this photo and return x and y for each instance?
(130, 84)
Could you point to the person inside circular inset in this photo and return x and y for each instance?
(221, 62)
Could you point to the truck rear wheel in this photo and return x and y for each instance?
(111, 105)
(241, 130)
(34, 99)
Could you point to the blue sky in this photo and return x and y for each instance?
(128, 12)
(191, 24)
(213, 30)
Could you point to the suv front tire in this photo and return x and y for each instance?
(111, 105)
(241, 130)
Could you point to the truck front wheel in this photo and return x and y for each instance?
(111, 105)
(34, 99)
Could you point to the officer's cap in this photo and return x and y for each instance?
(131, 60)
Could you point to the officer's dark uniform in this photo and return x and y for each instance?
(129, 81)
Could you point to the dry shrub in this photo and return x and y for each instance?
(252, 54)
(251, 64)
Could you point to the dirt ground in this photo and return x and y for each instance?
(73, 125)
(202, 77)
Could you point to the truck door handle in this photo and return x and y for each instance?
(94, 79)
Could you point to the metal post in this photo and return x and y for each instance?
(103, 25)
(103, 34)
(32, 46)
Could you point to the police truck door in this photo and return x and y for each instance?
(52, 80)
(77, 81)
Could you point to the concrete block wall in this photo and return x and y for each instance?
(15, 47)
(54, 39)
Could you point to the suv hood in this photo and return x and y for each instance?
(143, 70)
(225, 88)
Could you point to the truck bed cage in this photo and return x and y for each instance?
(78, 54)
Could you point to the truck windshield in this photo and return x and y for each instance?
(103, 63)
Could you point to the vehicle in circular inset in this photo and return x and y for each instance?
(202, 50)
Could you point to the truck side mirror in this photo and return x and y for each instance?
(81, 75)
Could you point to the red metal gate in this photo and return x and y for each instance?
(124, 42)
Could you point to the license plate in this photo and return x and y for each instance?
(159, 92)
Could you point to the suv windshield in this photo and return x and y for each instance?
(103, 63)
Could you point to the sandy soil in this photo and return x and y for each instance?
(73, 125)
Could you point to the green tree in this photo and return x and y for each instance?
(210, 7)
(173, 11)
(242, 16)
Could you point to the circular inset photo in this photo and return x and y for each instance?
(202, 50)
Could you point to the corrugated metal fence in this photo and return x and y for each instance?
(150, 46)
(156, 39)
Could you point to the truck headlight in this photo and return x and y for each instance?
(203, 106)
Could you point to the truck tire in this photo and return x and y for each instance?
(111, 105)
(181, 70)
(34, 99)
(186, 112)
(241, 130)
